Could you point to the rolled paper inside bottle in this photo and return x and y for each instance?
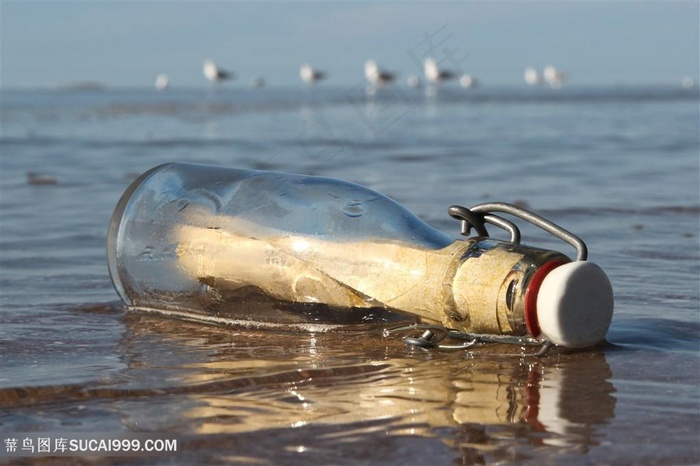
(301, 269)
(475, 285)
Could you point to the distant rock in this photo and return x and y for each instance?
(40, 180)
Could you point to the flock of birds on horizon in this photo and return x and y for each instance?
(379, 77)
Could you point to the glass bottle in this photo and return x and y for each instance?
(220, 244)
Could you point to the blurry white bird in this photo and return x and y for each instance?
(532, 77)
(413, 81)
(553, 76)
(376, 76)
(257, 81)
(162, 82)
(435, 74)
(467, 81)
(215, 74)
(310, 75)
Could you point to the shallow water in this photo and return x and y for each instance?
(618, 166)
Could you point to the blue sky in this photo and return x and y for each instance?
(129, 43)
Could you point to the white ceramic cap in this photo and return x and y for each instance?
(575, 305)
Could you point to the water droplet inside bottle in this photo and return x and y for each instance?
(354, 209)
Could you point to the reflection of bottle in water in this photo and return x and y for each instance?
(203, 240)
(563, 404)
(572, 398)
(487, 404)
(560, 408)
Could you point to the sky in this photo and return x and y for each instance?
(129, 43)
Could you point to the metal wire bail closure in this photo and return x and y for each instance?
(479, 215)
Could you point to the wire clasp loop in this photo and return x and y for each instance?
(479, 215)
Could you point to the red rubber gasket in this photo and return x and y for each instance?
(533, 288)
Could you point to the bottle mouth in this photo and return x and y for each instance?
(530, 302)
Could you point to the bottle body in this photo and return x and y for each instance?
(207, 240)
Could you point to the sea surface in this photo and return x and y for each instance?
(619, 166)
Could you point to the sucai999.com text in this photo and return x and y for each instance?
(87, 445)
